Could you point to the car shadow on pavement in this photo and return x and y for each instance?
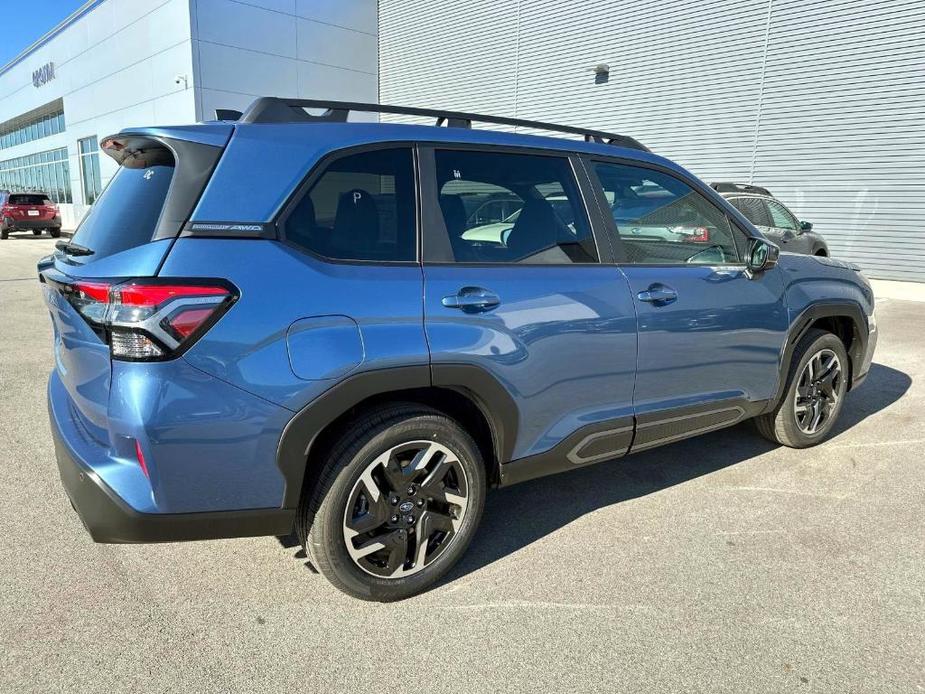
(518, 516)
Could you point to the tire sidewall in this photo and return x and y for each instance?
(326, 535)
(788, 412)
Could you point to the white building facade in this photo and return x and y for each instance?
(121, 63)
(821, 101)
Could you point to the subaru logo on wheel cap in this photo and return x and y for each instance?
(406, 507)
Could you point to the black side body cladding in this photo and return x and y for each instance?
(591, 444)
(799, 327)
(475, 383)
(616, 438)
(303, 429)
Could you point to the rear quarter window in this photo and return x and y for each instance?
(126, 213)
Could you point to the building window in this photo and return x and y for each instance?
(44, 172)
(89, 152)
(17, 132)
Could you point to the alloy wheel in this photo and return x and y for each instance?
(818, 391)
(405, 509)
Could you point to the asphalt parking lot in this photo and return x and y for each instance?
(720, 564)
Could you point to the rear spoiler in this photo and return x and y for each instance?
(193, 151)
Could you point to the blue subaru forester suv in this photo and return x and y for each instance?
(281, 321)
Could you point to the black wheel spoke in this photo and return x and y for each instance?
(394, 475)
(432, 484)
(422, 533)
(372, 518)
(441, 521)
(397, 545)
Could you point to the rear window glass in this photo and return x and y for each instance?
(29, 200)
(126, 213)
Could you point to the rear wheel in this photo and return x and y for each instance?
(816, 387)
(55, 233)
(397, 503)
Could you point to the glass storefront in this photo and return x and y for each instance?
(34, 129)
(89, 151)
(47, 172)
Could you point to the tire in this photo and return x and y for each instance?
(790, 423)
(423, 466)
(54, 233)
(4, 234)
(36, 232)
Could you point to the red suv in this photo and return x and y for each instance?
(28, 212)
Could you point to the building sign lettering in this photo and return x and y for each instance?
(43, 75)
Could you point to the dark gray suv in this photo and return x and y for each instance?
(774, 220)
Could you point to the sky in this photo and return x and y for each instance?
(26, 20)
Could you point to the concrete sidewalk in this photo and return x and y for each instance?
(899, 291)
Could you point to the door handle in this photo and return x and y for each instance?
(472, 300)
(658, 294)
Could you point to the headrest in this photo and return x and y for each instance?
(356, 223)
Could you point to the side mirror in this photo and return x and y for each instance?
(806, 226)
(762, 255)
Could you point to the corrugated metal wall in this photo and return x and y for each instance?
(823, 101)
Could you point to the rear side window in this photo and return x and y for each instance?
(126, 213)
(661, 220)
(20, 199)
(754, 210)
(360, 208)
(512, 208)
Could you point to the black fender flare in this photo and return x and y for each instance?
(800, 326)
(482, 388)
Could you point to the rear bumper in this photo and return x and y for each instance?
(109, 519)
(28, 224)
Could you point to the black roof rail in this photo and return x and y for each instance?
(740, 188)
(270, 109)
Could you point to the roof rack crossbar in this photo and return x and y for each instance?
(269, 109)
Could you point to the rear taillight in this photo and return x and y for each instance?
(150, 319)
(700, 235)
(692, 234)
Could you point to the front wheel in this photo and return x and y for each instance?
(36, 232)
(816, 387)
(396, 505)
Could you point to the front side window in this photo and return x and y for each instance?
(662, 220)
(360, 208)
(512, 208)
(780, 217)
